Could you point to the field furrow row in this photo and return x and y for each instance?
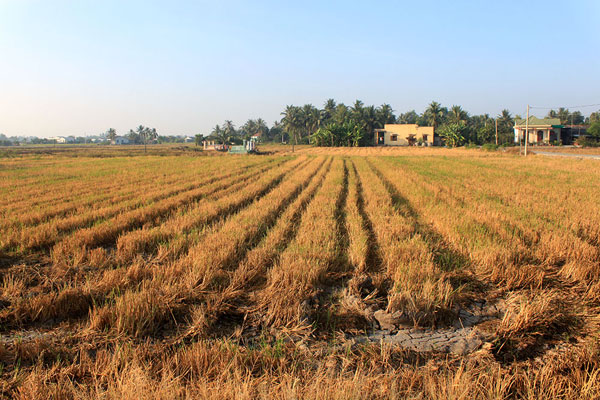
(192, 284)
(44, 235)
(510, 238)
(417, 258)
(309, 259)
(74, 249)
(71, 202)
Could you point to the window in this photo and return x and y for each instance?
(424, 138)
(393, 138)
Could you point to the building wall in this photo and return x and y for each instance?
(403, 131)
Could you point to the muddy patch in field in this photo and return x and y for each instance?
(460, 341)
(464, 336)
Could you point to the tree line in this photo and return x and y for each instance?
(141, 135)
(337, 124)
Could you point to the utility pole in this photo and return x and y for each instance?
(496, 121)
(527, 130)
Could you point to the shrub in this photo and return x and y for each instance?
(594, 130)
(586, 141)
(453, 134)
(489, 147)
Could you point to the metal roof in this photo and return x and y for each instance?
(534, 121)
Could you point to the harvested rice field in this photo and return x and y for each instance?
(320, 274)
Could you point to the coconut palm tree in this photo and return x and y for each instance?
(409, 117)
(142, 133)
(111, 133)
(457, 115)
(505, 125)
(328, 111)
(249, 128)
(311, 118)
(315, 120)
(261, 127)
(576, 118)
(434, 114)
(341, 113)
(357, 111)
(229, 128)
(369, 121)
(292, 122)
(153, 134)
(505, 119)
(219, 134)
(563, 114)
(132, 136)
(385, 115)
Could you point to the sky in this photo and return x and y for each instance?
(80, 67)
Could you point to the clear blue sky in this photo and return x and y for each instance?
(79, 67)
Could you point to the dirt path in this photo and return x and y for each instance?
(548, 153)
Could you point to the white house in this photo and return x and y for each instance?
(62, 139)
(541, 130)
(120, 140)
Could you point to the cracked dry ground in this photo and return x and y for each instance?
(321, 274)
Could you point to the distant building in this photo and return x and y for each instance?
(189, 139)
(541, 130)
(119, 140)
(62, 139)
(405, 135)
